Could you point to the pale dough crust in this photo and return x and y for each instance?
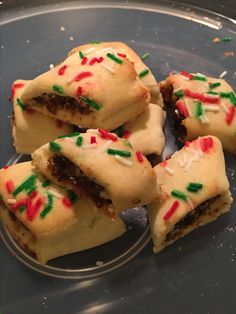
(125, 186)
(118, 92)
(63, 230)
(216, 124)
(190, 164)
(30, 130)
(119, 47)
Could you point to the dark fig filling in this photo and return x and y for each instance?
(176, 117)
(65, 171)
(190, 219)
(55, 102)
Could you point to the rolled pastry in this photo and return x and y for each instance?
(194, 191)
(31, 129)
(48, 221)
(123, 51)
(200, 106)
(92, 92)
(99, 166)
(145, 132)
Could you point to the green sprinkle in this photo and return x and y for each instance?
(212, 93)
(81, 55)
(21, 104)
(232, 99)
(198, 78)
(194, 187)
(226, 39)
(72, 196)
(179, 194)
(22, 208)
(70, 135)
(120, 131)
(145, 55)
(26, 185)
(126, 142)
(46, 183)
(114, 58)
(91, 103)
(225, 95)
(79, 141)
(55, 146)
(122, 153)
(179, 94)
(58, 89)
(214, 85)
(143, 73)
(199, 109)
(48, 207)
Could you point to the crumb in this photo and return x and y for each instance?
(99, 263)
(51, 66)
(223, 74)
(71, 38)
(27, 41)
(216, 40)
(62, 28)
(229, 53)
(130, 227)
(2, 47)
(180, 248)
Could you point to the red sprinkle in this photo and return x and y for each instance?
(122, 55)
(66, 202)
(79, 91)
(59, 123)
(82, 76)
(18, 204)
(163, 163)
(33, 194)
(92, 61)
(230, 115)
(84, 61)
(186, 74)
(139, 156)
(100, 59)
(15, 86)
(181, 107)
(32, 210)
(171, 211)
(6, 167)
(62, 70)
(206, 143)
(186, 144)
(93, 140)
(201, 97)
(9, 186)
(126, 134)
(107, 135)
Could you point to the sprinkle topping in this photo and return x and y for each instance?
(114, 58)
(122, 153)
(179, 194)
(48, 207)
(201, 97)
(194, 187)
(62, 69)
(206, 143)
(26, 185)
(91, 103)
(9, 186)
(172, 210)
(139, 156)
(145, 55)
(82, 76)
(143, 73)
(79, 141)
(21, 104)
(57, 88)
(16, 86)
(230, 115)
(81, 54)
(55, 147)
(105, 134)
(214, 85)
(182, 108)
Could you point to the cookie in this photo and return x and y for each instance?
(31, 129)
(123, 51)
(194, 191)
(48, 221)
(100, 166)
(201, 105)
(92, 92)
